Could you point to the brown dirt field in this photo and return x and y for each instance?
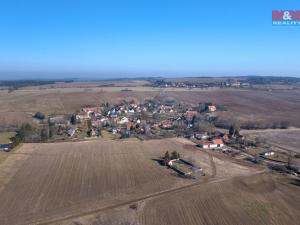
(244, 105)
(250, 105)
(285, 139)
(260, 199)
(49, 182)
(8, 119)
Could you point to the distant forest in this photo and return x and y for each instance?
(15, 84)
(270, 80)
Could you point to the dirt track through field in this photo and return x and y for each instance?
(258, 199)
(172, 190)
(64, 180)
(151, 196)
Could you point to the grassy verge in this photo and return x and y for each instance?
(5, 155)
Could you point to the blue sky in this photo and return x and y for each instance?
(53, 38)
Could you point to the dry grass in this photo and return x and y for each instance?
(5, 137)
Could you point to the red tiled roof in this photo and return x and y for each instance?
(218, 141)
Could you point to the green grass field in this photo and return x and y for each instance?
(5, 137)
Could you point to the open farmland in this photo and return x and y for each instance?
(259, 106)
(5, 137)
(259, 199)
(283, 139)
(49, 182)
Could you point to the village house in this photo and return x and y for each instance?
(201, 135)
(206, 145)
(71, 132)
(82, 116)
(131, 111)
(166, 124)
(212, 108)
(166, 109)
(269, 153)
(123, 120)
(92, 111)
(216, 143)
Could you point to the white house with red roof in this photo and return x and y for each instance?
(212, 108)
(216, 143)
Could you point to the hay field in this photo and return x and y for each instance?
(52, 182)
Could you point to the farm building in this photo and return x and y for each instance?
(124, 120)
(185, 168)
(212, 108)
(269, 153)
(82, 116)
(201, 135)
(71, 132)
(216, 143)
(207, 145)
(166, 124)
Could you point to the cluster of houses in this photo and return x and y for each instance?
(152, 118)
(131, 119)
(188, 84)
(215, 140)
